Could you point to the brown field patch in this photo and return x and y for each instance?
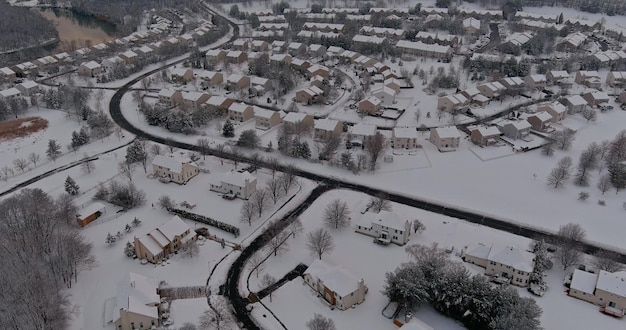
(12, 129)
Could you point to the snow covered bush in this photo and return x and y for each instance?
(206, 220)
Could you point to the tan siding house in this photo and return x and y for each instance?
(503, 261)
(607, 290)
(170, 168)
(445, 138)
(137, 303)
(242, 185)
(240, 112)
(324, 127)
(164, 240)
(265, 119)
(404, 138)
(335, 284)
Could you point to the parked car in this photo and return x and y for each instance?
(538, 289)
(202, 231)
(229, 196)
(500, 279)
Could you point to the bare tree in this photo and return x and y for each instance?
(605, 146)
(126, 169)
(589, 114)
(548, 148)
(561, 173)
(607, 261)
(278, 241)
(20, 164)
(255, 160)
(274, 165)
(155, 149)
(361, 160)
(288, 178)
(295, 227)
(256, 263)
(203, 145)
(380, 203)
(220, 152)
(248, 211)
(320, 242)
(564, 139)
(190, 249)
(169, 142)
(217, 316)
(6, 172)
(589, 159)
(571, 234)
(418, 226)
(568, 256)
(235, 155)
(319, 322)
(33, 158)
(166, 203)
(274, 190)
(327, 146)
(188, 326)
(87, 164)
(337, 214)
(260, 200)
(99, 96)
(604, 184)
(267, 281)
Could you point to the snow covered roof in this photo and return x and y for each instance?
(435, 36)
(511, 256)
(91, 65)
(335, 50)
(384, 90)
(334, 277)
(416, 324)
(368, 39)
(447, 132)
(10, 92)
(373, 100)
(234, 53)
(174, 227)
(599, 95)
(384, 218)
(405, 132)
(588, 74)
(381, 30)
(193, 96)
(576, 39)
(487, 131)
(520, 124)
(7, 71)
(238, 179)
(576, 100)
(364, 129)
(418, 45)
(555, 106)
(584, 281)
(129, 54)
(172, 163)
(258, 81)
(28, 84)
(519, 38)
(234, 78)
(179, 71)
(294, 117)
(135, 294)
(543, 116)
(91, 209)
(326, 124)
(472, 91)
(479, 250)
(215, 52)
(263, 113)
(216, 100)
(538, 77)
(612, 282)
(559, 74)
(238, 107)
(618, 75)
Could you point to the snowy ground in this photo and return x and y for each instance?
(370, 261)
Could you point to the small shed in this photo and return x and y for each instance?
(90, 213)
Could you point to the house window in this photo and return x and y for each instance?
(612, 304)
(153, 322)
(140, 325)
(132, 325)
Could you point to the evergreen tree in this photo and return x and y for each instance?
(305, 151)
(617, 172)
(135, 152)
(84, 135)
(228, 130)
(71, 187)
(75, 144)
(54, 150)
(129, 250)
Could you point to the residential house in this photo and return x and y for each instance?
(300, 64)
(504, 261)
(164, 240)
(453, 103)
(368, 41)
(519, 38)
(335, 284)
(596, 98)
(137, 303)
(516, 85)
(386, 95)
(260, 45)
(308, 95)
(265, 119)
(295, 122)
(471, 25)
(6, 74)
(317, 81)
(219, 104)
(240, 112)
(261, 85)
(590, 79)
(574, 103)
(360, 133)
(280, 58)
(170, 97)
(557, 110)
(393, 83)
(404, 138)
(144, 52)
(325, 127)
(484, 136)
(194, 100)
(278, 46)
(540, 121)
(386, 226)
(439, 39)
(216, 55)
(181, 75)
(296, 48)
(572, 42)
(419, 48)
(536, 81)
(622, 97)
(318, 70)
(370, 105)
(616, 79)
(317, 50)
(515, 130)
(237, 82)
(129, 57)
(210, 78)
(445, 138)
(560, 78)
(90, 213)
(492, 90)
(608, 290)
(10, 94)
(241, 185)
(109, 63)
(28, 88)
(236, 56)
(175, 169)
(240, 44)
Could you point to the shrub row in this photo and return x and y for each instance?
(206, 220)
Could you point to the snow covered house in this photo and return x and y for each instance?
(194, 100)
(181, 75)
(240, 111)
(237, 82)
(608, 290)
(137, 303)
(325, 127)
(452, 103)
(504, 261)
(590, 79)
(90, 213)
(236, 56)
(540, 121)
(297, 121)
(445, 138)
(337, 285)
(536, 81)
(556, 109)
(386, 95)
(265, 119)
(164, 240)
(241, 185)
(216, 55)
(616, 79)
(308, 95)
(484, 136)
(574, 103)
(404, 138)
(360, 133)
(596, 98)
(28, 88)
(515, 129)
(170, 97)
(210, 78)
(560, 78)
(6, 74)
(370, 105)
(10, 94)
(89, 69)
(174, 169)
(385, 226)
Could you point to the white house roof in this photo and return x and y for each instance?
(472, 91)
(447, 132)
(514, 257)
(543, 116)
(10, 92)
(364, 129)
(373, 100)
(519, 38)
(435, 36)
(172, 163)
(192, 96)
(258, 81)
(480, 251)
(584, 281)
(520, 124)
(215, 52)
(335, 50)
(129, 54)
(405, 132)
(7, 71)
(91, 209)
(384, 218)
(480, 98)
(618, 75)
(326, 124)
(612, 282)
(91, 65)
(538, 77)
(488, 131)
(471, 22)
(415, 324)
(334, 277)
(234, 53)
(28, 84)
(134, 293)
(179, 71)
(599, 95)
(234, 78)
(418, 45)
(174, 227)
(368, 39)
(238, 107)
(294, 117)
(559, 74)
(216, 100)
(263, 113)
(588, 74)
(384, 90)
(151, 242)
(238, 179)
(557, 107)
(576, 39)
(576, 100)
